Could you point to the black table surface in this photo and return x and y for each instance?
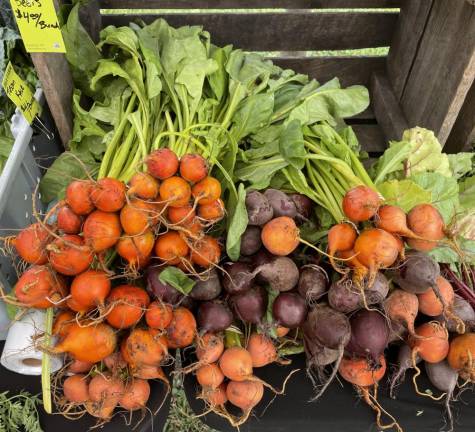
(339, 409)
(15, 382)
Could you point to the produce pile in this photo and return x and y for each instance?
(212, 200)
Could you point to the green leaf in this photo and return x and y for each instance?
(291, 144)
(259, 174)
(253, 114)
(447, 255)
(311, 233)
(271, 296)
(66, 167)
(329, 103)
(444, 192)
(237, 223)
(426, 153)
(444, 254)
(467, 193)
(174, 277)
(81, 52)
(324, 217)
(391, 160)
(460, 164)
(404, 193)
(121, 37)
(218, 80)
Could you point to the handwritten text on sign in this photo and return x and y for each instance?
(20, 94)
(38, 25)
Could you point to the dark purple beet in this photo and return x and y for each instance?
(250, 306)
(289, 309)
(187, 302)
(282, 204)
(237, 277)
(207, 289)
(251, 240)
(214, 317)
(281, 273)
(161, 291)
(259, 210)
(378, 291)
(313, 283)
(343, 296)
(304, 206)
(369, 335)
(328, 326)
(260, 258)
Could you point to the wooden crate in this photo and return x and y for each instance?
(427, 79)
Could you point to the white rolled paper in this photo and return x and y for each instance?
(19, 354)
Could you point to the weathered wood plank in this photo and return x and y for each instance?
(462, 135)
(55, 76)
(57, 83)
(388, 112)
(90, 17)
(404, 46)
(444, 69)
(350, 70)
(244, 4)
(371, 137)
(291, 31)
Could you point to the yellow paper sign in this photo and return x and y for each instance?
(38, 24)
(20, 94)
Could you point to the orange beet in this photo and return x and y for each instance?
(68, 221)
(280, 236)
(144, 186)
(358, 372)
(144, 347)
(361, 203)
(31, 243)
(171, 248)
(128, 304)
(432, 345)
(108, 194)
(214, 211)
(78, 196)
(69, 255)
(90, 289)
(193, 167)
(209, 375)
(425, 221)
(236, 364)
(430, 305)
(90, 343)
(175, 192)
(159, 315)
(136, 250)
(138, 216)
(209, 348)
(162, 163)
(245, 394)
(462, 354)
(38, 285)
(207, 190)
(262, 350)
(75, 388)
(182, 328)
(205, 252)
(101, 230)
(181, 215)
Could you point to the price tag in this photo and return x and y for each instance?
(39, 26)
(20, 94)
